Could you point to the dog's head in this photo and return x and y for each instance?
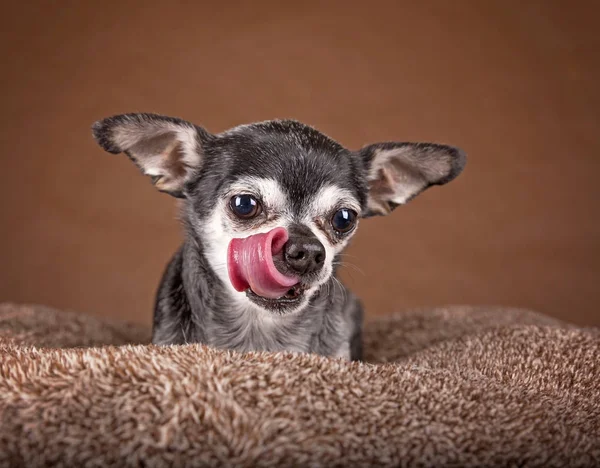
(273, 203)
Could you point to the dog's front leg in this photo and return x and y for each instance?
(343, 352)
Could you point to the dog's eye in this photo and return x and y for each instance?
(245, 206)
(343, 220)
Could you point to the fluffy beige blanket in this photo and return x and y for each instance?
(459, 386)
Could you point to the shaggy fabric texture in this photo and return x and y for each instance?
(459, 386)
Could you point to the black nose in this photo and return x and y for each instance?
(304, 255)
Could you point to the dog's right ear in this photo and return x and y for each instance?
(168, 149)
(399, 171)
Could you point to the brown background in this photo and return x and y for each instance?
(514, 83)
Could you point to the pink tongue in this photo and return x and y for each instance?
(250, 263)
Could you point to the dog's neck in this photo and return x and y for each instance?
(194, 305)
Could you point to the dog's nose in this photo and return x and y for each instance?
(304, 255)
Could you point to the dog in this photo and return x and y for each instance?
(268, 208)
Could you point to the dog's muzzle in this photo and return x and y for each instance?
(304, 255)
(250, 264)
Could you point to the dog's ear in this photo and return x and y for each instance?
(168, 149)
(398, 172)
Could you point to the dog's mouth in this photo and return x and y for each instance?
(292, 298)
(251, 264)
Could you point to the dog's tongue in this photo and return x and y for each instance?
(250, 264)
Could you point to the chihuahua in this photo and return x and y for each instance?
(268, 208)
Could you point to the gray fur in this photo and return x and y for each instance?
(219, 325)
(195, 303)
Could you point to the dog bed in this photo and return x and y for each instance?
(458, 386)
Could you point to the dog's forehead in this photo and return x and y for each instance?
(302, 160)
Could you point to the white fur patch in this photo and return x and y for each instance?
(219, 231)
(325, 202)
(267, 190)
(330, 197)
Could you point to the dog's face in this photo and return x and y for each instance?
(242, 186)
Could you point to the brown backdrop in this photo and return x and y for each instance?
(515, 83)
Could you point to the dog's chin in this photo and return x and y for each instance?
(293, 300)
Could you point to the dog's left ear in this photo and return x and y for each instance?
(398, 172)
(168, 149)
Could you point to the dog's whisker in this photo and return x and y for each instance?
(347, 255)
(350, 275)
(341, 286)
(350, 265)
(352, 279)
